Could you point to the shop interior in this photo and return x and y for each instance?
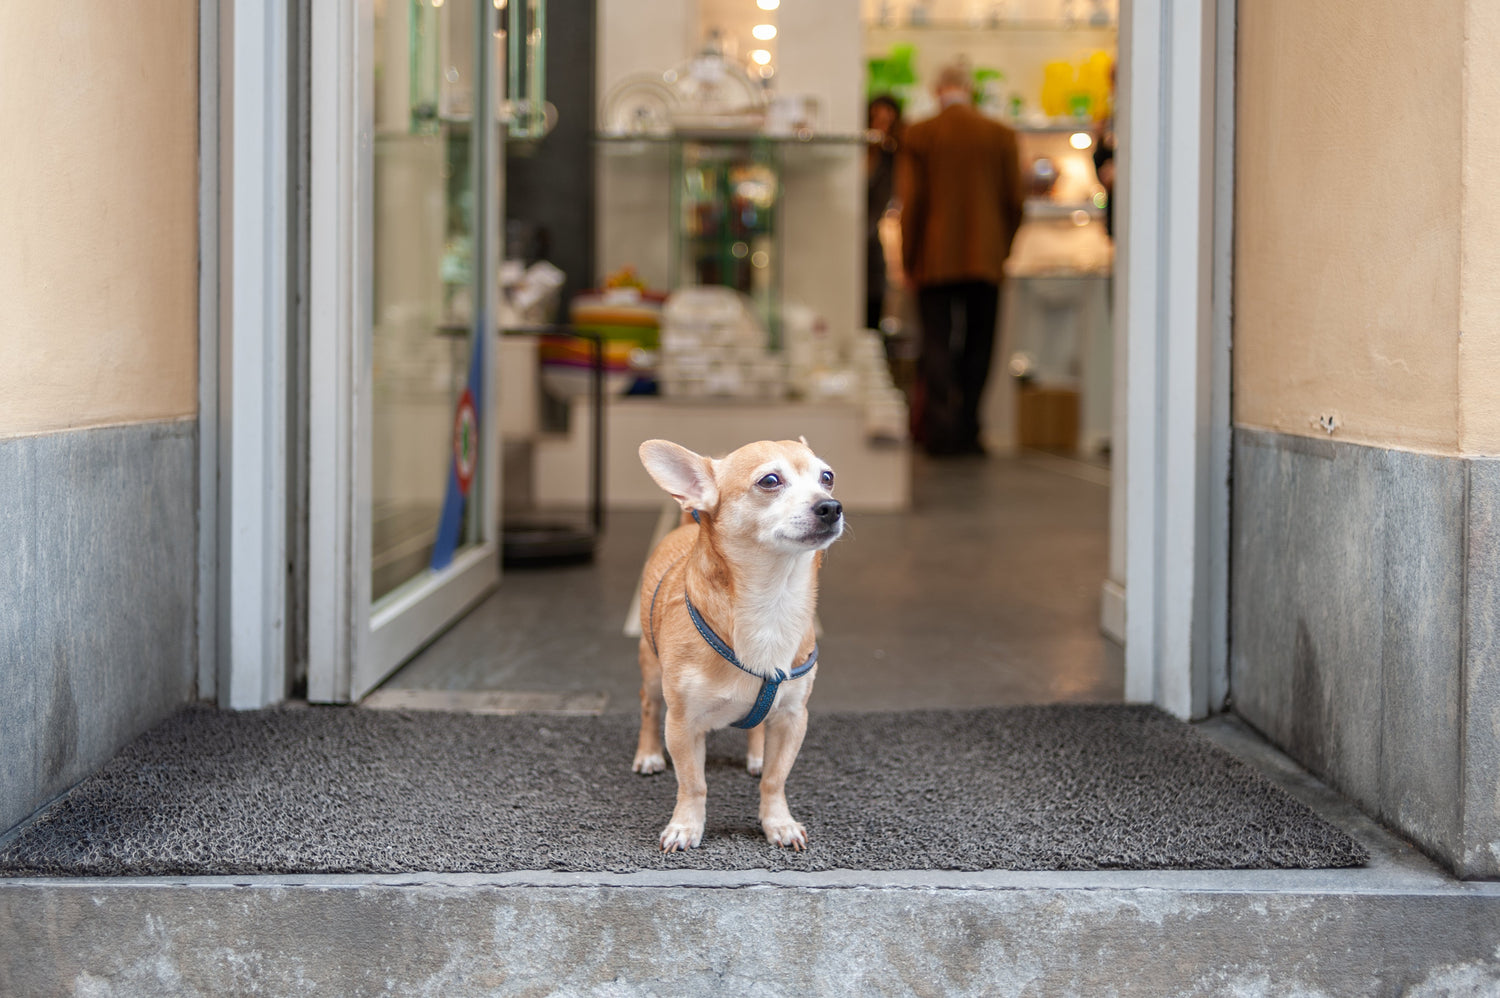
(686, 190)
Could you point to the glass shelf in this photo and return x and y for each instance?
(1051, 126)
(1036, 25)
(1046, 208)
(728, 137)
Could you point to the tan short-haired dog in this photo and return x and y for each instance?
(727, 604)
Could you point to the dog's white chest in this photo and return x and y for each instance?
(768, 631)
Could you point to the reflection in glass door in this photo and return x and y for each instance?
(405, 212)
(423, 341)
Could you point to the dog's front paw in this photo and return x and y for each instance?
(753, 764)
(785, 832)
(678, 837)
(648, 764)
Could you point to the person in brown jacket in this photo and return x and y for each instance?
(962, 194)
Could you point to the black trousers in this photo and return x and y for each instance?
(958, 339)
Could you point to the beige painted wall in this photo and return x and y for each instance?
(1479, 290)
(1349, 196)
(98, 213)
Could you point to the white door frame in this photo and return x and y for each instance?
(1175, 222)
(351, 645)
(244, 203)
(213, 129)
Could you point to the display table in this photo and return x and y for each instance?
(873, 476)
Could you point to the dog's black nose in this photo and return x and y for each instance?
(829, 511)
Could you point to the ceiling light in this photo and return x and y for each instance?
(765, 32)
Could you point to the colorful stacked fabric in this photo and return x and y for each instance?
(629, 322)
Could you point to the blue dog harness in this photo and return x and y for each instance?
(768, 685)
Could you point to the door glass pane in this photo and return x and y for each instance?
(425, 479)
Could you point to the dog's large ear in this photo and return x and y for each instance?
(687, 477)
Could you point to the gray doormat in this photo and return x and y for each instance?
(347, 790)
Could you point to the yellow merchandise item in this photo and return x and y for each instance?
(1059, 81)
(1094, 80)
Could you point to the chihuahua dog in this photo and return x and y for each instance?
(727, 606)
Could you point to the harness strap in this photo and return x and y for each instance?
(768, 685)
(651, 615)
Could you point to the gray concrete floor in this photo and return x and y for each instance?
(985, 593)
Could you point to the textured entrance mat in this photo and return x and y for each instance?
(325, 790)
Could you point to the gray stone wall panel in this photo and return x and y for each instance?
(103, 621)
(1305, 619)
(1481, 680)
(19, 692)
(1363, 639)
(1423, 508)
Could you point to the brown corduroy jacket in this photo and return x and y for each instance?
(962, 193)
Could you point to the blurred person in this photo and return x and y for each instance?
(962, 194)
(1104, 160)
(883, 137)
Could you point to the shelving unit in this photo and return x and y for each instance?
(1017, 49)
(724, 203)
(725, 193)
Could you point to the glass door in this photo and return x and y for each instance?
(405, 202)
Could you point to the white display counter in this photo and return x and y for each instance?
(873, 476)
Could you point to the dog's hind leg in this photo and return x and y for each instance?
(649, 756)
(755, 751)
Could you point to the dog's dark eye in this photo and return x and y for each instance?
(827, 479)
(771, 481)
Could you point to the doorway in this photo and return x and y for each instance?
(1177, 328)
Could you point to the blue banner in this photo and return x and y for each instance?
(463, 461)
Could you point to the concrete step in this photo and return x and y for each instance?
(929, 934)
(1399, 926)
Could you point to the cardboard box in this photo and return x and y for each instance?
(1047, 418)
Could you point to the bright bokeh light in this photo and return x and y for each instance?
(760, 57)
(1081, 140)
(768, 4)
(765, 32)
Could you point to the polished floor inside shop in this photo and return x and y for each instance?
(986, 592)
